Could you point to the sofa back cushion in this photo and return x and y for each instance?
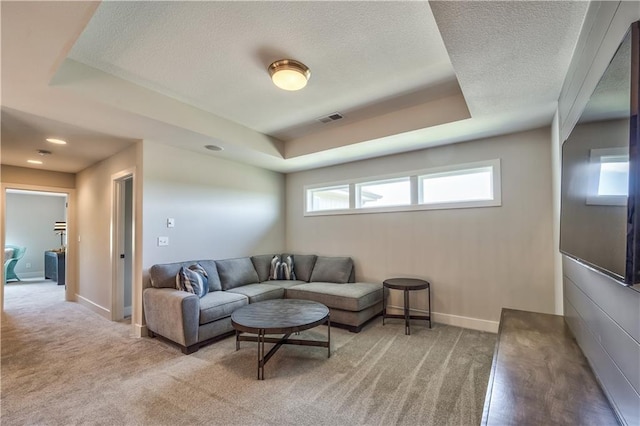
(164, 275)
(333, 270)
(236, 272)
(262, 264)
(303, 265)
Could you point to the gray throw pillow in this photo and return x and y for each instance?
(193, 280)
(332, 270)
(262, 264)
(236, 272)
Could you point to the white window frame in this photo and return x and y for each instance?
(415, 191)
(595, 160)
(308, 194)
(496, 189)
(359, 185)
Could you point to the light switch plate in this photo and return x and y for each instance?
(163, 241)
(171, 222)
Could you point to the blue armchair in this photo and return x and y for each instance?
(10, 263)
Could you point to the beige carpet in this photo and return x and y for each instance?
(64, 365)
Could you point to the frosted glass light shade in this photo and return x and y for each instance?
(289, 74)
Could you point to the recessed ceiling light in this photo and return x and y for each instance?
(214, 147)
(57, 141)
(289, 74)
(34, 161)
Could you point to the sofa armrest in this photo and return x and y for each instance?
(173, 314)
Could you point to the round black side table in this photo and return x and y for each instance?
(406, 285)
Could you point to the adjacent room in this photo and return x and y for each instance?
(408, 212)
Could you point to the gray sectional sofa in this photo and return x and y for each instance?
(191, 321)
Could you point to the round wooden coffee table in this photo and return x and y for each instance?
(406, 285)
(281, 316)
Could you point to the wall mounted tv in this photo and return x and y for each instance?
(600, 219)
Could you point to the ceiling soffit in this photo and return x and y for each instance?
(214, 55)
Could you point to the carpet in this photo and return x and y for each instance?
(61, 364)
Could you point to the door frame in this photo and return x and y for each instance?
(71, 288)
(118, 240)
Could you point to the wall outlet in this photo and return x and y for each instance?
(28, 266)
(163, 241)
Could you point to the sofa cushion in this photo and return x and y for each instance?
(164, 275)
(332, 270)
(303, 266)
(285, 283)
(193, 280)
(262, 265)
(220, 304)
(236, 272)
(348, 297)
(282, 268)
(212, 274)
(259, 292)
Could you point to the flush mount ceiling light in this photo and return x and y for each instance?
(289, 74)
(214, 147)
(57, 141)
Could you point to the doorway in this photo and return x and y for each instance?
(123, 247)
(35, 222)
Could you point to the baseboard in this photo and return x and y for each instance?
(94, 307)
(127, 311)
(455, 320)
(29, 275)
(140, 330)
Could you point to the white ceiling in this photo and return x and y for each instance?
(194, 73)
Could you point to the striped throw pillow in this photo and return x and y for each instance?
(193, 279)
(282, 269)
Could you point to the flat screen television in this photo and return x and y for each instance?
(600, 189)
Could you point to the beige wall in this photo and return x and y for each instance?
(94, 193)
(478, 259)
(221, 208)
(29, 176)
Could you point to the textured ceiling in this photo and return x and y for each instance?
(509, 53)
(215, 55)
(24, 134)
(190, 74)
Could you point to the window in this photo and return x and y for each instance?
(458, 186)
(389, 192)
(614, 176)
(608, 177)
(328, 198)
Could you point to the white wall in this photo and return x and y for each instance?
(478, 260)
(95, 197)
(29, 223)
(222, 209)
(603, 315)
